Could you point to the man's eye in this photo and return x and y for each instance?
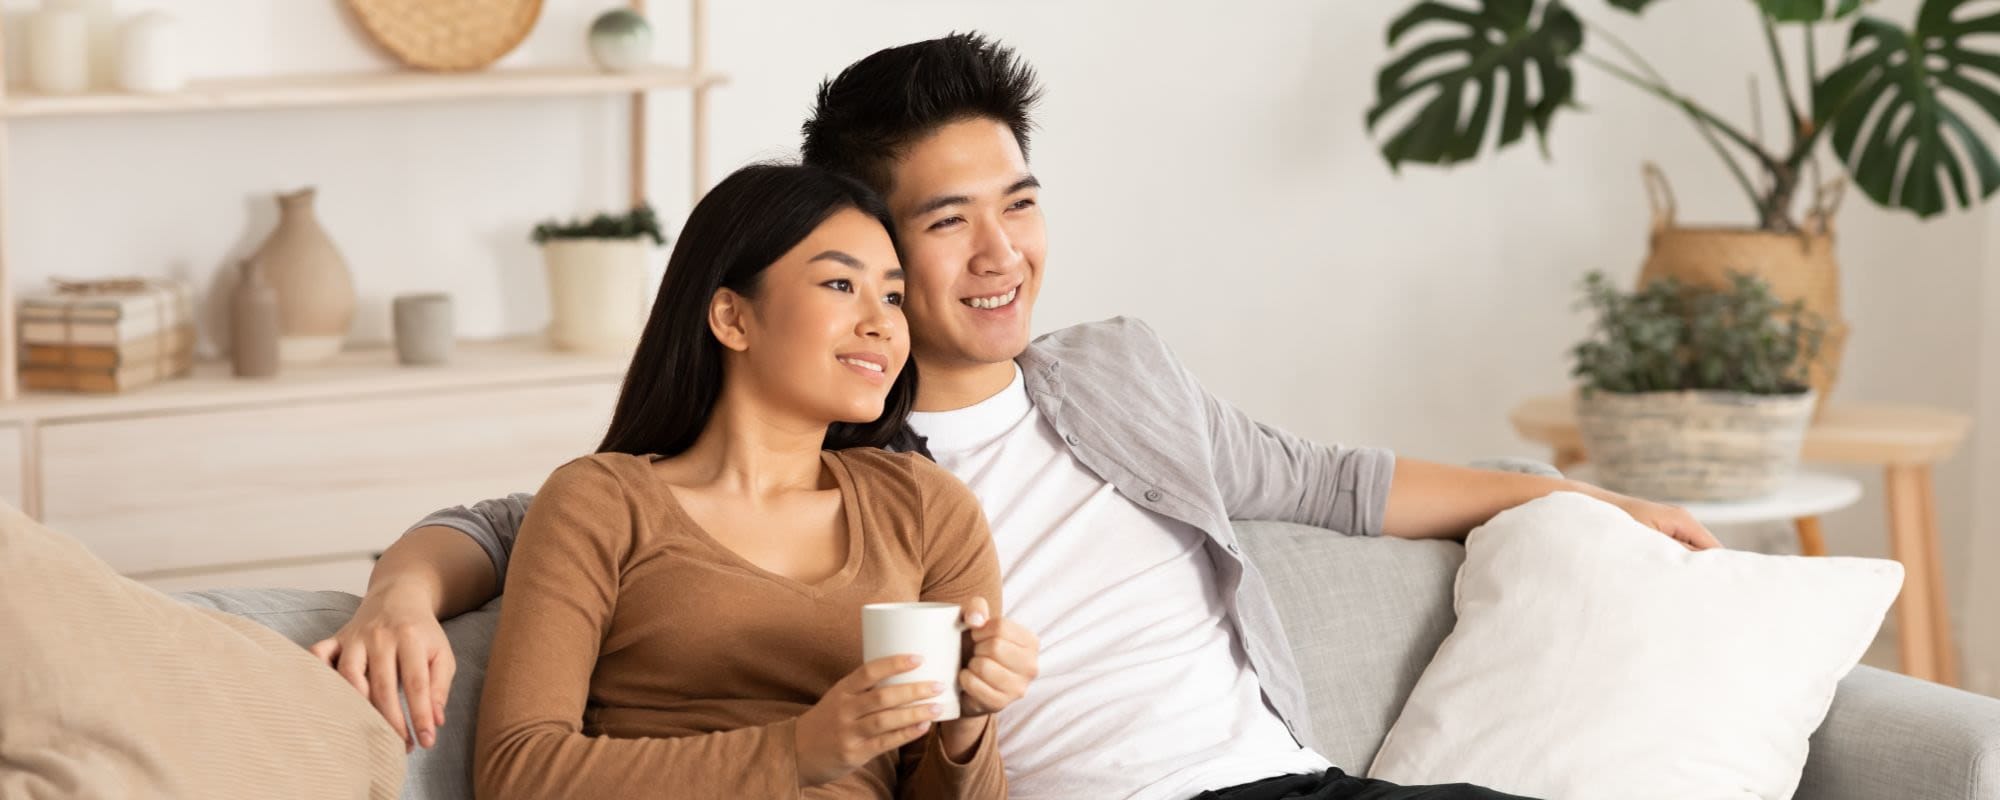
(1022, 203)
(839, 285)
(946, 222)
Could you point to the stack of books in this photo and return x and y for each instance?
(107, 336)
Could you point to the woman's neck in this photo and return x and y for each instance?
(752, 449)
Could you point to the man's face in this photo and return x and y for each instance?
(969, 217)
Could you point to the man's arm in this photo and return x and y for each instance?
(451, 562)
(1428, 500)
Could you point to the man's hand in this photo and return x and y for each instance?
(1673, 521)
(394, 639)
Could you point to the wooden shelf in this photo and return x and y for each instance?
(355, 373)
(353, 89)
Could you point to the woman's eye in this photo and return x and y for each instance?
(839, 285)
(895, 299)
(946, 222)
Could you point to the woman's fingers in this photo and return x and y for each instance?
(901, 694)
(417, 688)
(874, 672)
(984, 698)
(896, 719)
(896, 738)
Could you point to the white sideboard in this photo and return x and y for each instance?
(300, 480)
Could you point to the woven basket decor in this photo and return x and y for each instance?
(447, 35)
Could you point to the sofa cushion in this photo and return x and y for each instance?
(112, 689)
(1594, 657)
(1364, 615)
(441, 772)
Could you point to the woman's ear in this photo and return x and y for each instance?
(729, 319)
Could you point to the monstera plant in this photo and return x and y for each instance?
(1895, 104)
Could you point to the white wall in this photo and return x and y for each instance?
(1206, 169)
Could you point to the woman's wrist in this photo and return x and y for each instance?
(960, 737)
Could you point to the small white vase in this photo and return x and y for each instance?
(59, 51)
(150, 57)
(597, 293)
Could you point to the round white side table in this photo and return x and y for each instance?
(1800, 501)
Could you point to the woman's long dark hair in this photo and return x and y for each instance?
(743, 225)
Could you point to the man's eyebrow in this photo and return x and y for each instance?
(1025, 183)
(851, 262)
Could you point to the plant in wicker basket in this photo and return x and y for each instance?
(1694, 393)
(598, 276)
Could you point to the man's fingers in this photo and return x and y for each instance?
(354, 667)
(417, 690)
(382, 692)
(444, 666)
(325, 650)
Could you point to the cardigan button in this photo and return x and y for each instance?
(1152, 495)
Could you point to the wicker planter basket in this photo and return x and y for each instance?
(1798, 266)
(1695, 445)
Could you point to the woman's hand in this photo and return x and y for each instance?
(1005, 658)
(395, 638)
(856, 721)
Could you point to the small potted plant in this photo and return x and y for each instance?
(598, 278)
(1695, 393)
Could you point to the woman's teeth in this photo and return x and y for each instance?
(867, 365)
(993, 302)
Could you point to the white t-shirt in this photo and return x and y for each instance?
(1144, 690)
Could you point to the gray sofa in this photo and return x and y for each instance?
(1887, 738)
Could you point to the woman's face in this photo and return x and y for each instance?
(823, 336)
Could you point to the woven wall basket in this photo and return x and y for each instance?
(447, 35)
(1694, 446)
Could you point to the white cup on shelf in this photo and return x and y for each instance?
(149, 56)
(59, 50)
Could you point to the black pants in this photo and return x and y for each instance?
(1337, 785)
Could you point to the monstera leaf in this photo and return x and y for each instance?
(1476, 49)
(1886, 106)
(1806, 10)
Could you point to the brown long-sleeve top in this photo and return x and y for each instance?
(636, 656)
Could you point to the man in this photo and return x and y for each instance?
(1109, 474)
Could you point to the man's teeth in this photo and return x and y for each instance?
(993, 302)
(868, 365)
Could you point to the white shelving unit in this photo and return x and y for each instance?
(353, 89)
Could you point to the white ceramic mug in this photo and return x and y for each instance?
(928, 630)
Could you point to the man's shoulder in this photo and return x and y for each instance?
(1122, 343)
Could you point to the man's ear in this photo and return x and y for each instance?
(729, 319)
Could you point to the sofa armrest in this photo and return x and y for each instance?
(1888, 735)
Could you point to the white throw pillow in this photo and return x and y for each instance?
(1596, 658)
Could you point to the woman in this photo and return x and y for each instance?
(683, 613)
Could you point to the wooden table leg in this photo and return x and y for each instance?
(1811, 543)
(1915, 631)
(1947, 650)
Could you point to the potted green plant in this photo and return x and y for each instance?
(598, 278)
(1897, 107)
(1693, 393)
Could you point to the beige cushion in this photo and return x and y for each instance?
(109, 689)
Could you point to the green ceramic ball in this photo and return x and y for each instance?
(621, 40)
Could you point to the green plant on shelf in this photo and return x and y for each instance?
(641, 221)
(1669, 337)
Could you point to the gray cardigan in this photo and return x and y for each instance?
(1132, 414)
